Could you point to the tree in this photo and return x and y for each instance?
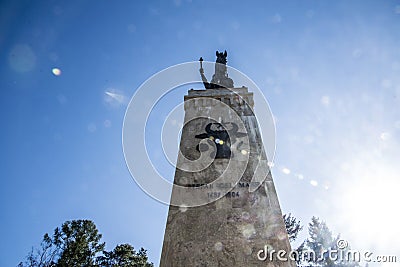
(320, 240)
(77, 243)
(320, 243)
(42, 257)
(124, 256)
(293, 226)
(314, 251)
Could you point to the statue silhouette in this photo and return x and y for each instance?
(220, 78)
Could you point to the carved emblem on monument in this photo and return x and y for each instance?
(218, 133)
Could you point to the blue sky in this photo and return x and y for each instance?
(329, 70)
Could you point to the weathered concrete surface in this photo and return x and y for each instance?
(231, 230)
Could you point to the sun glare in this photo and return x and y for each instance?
(369, 204)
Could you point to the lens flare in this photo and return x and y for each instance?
(56, 71)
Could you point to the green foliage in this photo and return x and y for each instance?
(43, 256)
(77, 243)
(314, 250)
(124, 256)
(293, 226)
(321, 241)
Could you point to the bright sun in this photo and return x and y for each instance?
(368, 205)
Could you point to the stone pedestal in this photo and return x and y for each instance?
(222, 222)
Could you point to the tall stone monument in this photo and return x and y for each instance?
(225, 210)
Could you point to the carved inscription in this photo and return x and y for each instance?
(212, 189)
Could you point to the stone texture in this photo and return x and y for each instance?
(231, 230)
